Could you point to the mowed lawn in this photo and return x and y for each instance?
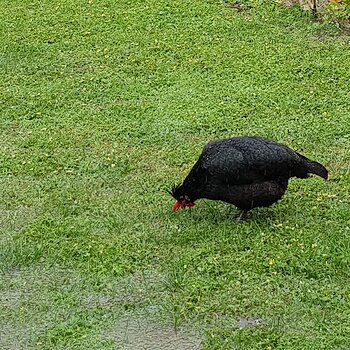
(104, 106)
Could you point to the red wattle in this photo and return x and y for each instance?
(176, 206)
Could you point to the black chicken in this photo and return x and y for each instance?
(246, 171)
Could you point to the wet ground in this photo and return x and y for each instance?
(128, 314)
(140, 333)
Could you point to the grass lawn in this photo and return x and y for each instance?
(104, 106)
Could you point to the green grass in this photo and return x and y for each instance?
(106, 104)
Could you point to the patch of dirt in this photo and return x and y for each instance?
(137, 289)
(12, 298)
(244, 322)
(27, 300)
(14, 338)
(345, 25)
(138, 326)
(12, 221)
(239, 7)
(140, 333)
(306, 5)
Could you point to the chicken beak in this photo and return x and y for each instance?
(176, 206)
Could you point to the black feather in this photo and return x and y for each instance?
(174, 191)
(247, 172)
